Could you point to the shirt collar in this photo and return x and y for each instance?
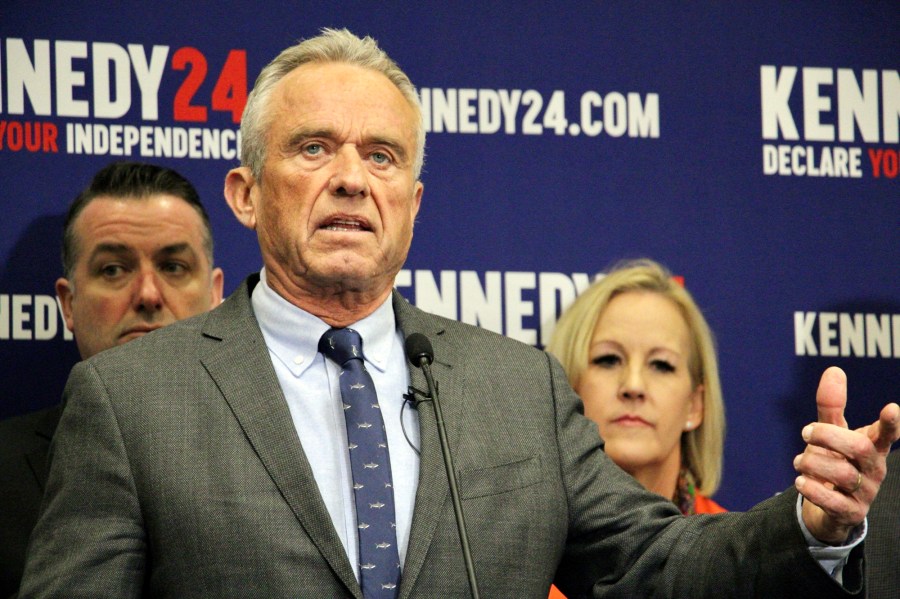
(292, 334)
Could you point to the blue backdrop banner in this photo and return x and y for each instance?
(752, 147)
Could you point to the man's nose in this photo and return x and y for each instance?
(148, 296)
(349, 174)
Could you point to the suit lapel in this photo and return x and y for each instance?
(242, 370)
(433, 493)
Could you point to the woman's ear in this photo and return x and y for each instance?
(695, 413)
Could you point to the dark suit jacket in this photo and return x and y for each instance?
(177, 472)
(24, 443)
(883, 539)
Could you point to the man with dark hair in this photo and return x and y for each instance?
(265, 448)
(137, 255)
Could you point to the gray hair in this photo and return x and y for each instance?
(331, 45)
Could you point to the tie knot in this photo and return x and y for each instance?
(341, 345)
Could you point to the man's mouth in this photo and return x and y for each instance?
(345, 224)
(138, 331)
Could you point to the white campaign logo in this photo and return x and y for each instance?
(490, 111)
(503, 302)
(31, 317)
(836, 104)
(29, 77)
(847, 334)
(90, 85)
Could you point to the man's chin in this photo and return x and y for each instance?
(351, 275)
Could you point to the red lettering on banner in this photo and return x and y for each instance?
(49, 133)
(183, 109)
(875, 158)
(891, 163)
(14, 136)
(886, 162)
(33, 136)
(230, 93)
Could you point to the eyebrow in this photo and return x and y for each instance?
(619, 347)
(121, 249)
(109, 248)
(175, 248)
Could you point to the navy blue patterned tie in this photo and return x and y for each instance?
(373, 489)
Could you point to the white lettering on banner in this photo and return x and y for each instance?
(847, 334)
(836, 161)
(465, 296)
(81, 80)
(856, 104)
(155, 142)
(487, 111)
(31, 317)
(29, 76)
(835, 104)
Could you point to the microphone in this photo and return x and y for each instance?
(420, 354)
(419, 350)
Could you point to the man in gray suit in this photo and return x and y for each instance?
(137, 255)
(883, 542)
(212, 459)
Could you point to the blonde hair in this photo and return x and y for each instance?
(570, 343)
(331, 45)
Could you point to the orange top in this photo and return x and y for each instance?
(702, 505)
(555, 594)
(705, 505)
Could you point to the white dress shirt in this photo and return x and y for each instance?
(310, 385)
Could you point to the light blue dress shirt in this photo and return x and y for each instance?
(310, 385)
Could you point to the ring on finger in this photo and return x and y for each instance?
(859, 479)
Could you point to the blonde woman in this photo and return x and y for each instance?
(641, 356)
(639, 353)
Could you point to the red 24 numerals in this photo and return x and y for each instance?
(228, 95)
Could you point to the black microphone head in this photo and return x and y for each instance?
(418, 350)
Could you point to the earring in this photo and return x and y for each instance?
(687, 425)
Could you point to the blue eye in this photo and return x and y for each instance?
(380, 158)
(313, 149)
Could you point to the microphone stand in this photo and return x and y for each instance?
(424, 364)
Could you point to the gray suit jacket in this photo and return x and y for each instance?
(177, 472)
(883, 540)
